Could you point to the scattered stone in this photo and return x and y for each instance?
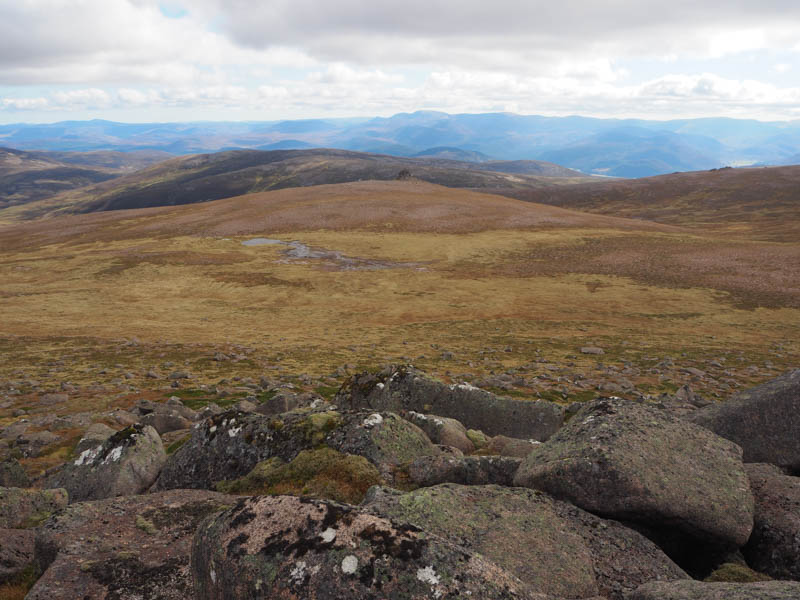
(176, 375)
(592, 350)
(698, 590)
(764, 421)
(320, 549)
(53, 398)
(633, 462)
(567, 552)
(95, 435)
(123, 548)
(774, 546)
(405, 388)
(21, 508)
(165, 422)
(127, 463)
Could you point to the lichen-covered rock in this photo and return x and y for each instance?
(285, 547)
(552, 546)
(698, 590)
(774, 546)
(629, 461)
(467, 470)
(442, 430)
(764, 421)
(506, 446)
(12, 474)
(321, 473)
(229, 445)
(125, 464)
(123, 548)
(405, 389)
(22, 507)
(16, 552)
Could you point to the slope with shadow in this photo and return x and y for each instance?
(761, 201)
(206, 177)
(30, 176)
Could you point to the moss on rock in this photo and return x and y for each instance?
(321, 473)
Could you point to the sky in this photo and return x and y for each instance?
(263, 60)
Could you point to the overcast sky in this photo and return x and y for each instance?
(174, 60)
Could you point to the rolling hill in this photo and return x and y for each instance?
(763, 201)
(207, 177)
(30, 176)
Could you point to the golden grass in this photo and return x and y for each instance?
(171, 276)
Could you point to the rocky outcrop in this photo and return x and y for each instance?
(506, 446)
(774, 546)
(697, 590)
(288, 547)
(135, 547)
(764, 421)
(21, 508)
(16, 552)
(229, 445)
(552, 546)
(467, 470)
(628, 461)
(405, 389)
(127, 463)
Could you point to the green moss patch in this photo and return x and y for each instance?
(323, 473)
(736, 573)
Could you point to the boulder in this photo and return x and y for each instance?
(22, 508)
(774, 546)
(442, 430)
(633, 462)
(16, 552)
(288, 547)
(229, 445)
(552, 546)
(132, 547)
(506, 446)
(405, 388)
(12, 474)
(764, 421)
(95, 435)
(164, 422)
(125, 464)
(698, 590)
(467, 470)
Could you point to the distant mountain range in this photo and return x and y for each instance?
(611, 147)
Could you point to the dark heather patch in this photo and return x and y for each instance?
(128, 577)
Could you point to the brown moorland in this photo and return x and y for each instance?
(465, 285)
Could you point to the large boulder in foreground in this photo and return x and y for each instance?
(632, 462)
(285, 547)
(405, 389)
(552, 546)
(774, 547)
(229, 445)
(697, 590)
(125, 464)
(134, 547)
(764, 421)
(22, 507)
